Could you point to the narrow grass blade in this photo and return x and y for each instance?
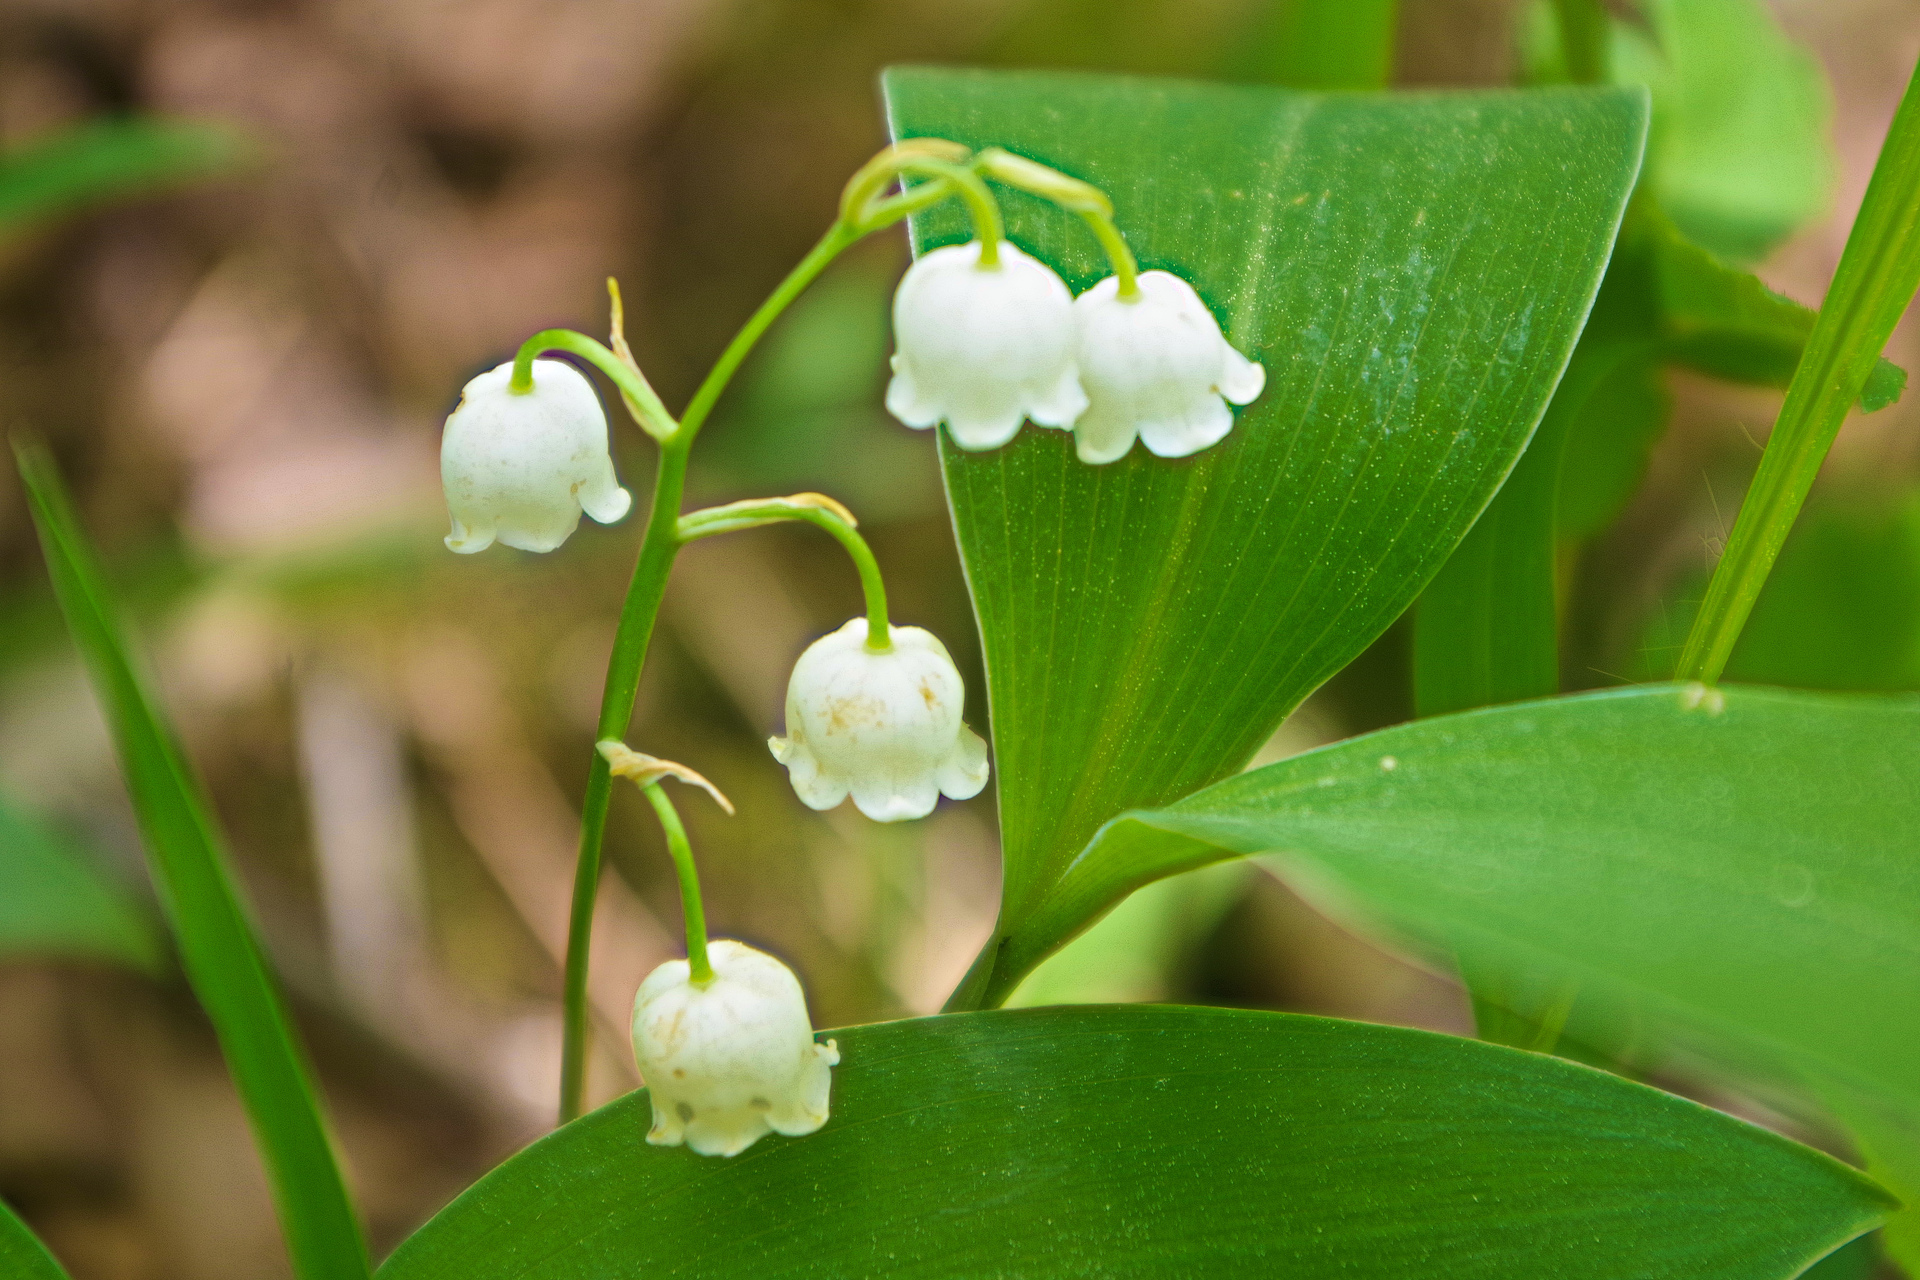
(1878, 273)
(218, 946)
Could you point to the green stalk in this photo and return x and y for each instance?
(700, 970)
(1073, 195)
(658, 547)
(1332, 44)
(838, 237)
(1876, 279)
(1125, 267)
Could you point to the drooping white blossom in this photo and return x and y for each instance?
(883, 727)
(522, 467)
(1156, 366)
(728, 1061)
(983, 347)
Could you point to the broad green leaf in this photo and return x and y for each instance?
(1734, 865)
(1720, 320)
(1739, 155)
(1147, 624)
(1486, 630)
(22, 1256)
(1859, 1260)
(217, 942)
(1141, 1141)
(56, 902)
(90, 163)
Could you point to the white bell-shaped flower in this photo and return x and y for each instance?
(522, 467)
(983, 347)
(730, 1060)
(882, 726)
(1157, 367)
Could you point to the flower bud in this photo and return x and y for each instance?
(983, 347)
(883, 726)
(521, 467)
(730, 1060)
(1156, 366)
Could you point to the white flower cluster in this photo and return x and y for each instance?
(982, 347)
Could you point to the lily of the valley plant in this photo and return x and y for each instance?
(988, 338)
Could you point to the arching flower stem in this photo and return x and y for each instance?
(647, 772)
(1073, 195)
(681, 851)
(936, 158)
(811, 508)
(1125, 268)
(653, 415)
(981, 206)
(862, 194)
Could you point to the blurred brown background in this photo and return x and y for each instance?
(245, 384)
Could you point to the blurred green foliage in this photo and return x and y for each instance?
(1740, 154)
(55, 900)
(109, 159)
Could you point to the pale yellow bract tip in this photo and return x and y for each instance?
(644, 770)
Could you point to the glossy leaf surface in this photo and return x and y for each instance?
(218, 945)
(1745, 872)
(1148, 623)
(54, 901)
(1158, 1142)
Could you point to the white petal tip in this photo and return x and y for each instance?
(1099, 455)
(904, 403)
(978, 437)
(609, 507)
(1244, 380)
(896, 807)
